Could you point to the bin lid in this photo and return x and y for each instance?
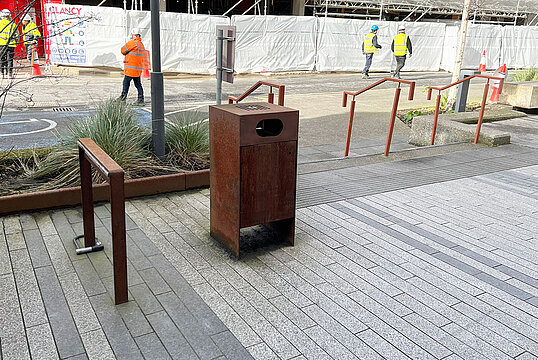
(257, 108)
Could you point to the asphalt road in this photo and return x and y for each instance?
(21, 127)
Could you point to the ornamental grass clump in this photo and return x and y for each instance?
(530, 74)
(114, 128)
(187, 140)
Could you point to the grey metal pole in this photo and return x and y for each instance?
(220, 35)
(157, 89)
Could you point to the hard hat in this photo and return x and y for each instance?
(401, 27)
(27, 17)
(6, 13)
(135, 31)
(375, 27)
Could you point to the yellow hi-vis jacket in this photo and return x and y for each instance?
(369, 43)
(400, 44)
(8, 33)
(30, 33)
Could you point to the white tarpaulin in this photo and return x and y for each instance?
(480, 37)
(340, 44)
(279, 43)
(274, 43)
(427, 40)
(188, 41)
(520, 46)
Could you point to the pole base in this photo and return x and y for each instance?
(84, 250)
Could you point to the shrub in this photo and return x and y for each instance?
(408, 117)
(114, 128)
(187, 140)
(526, 75)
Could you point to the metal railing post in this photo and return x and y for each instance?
(271, 96)
(392, 119)
(119, 250)
(349, 126)
(435, 117)
(87, 199)
(481, 115)
(281, 95)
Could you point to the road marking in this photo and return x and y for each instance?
(188, 109)
(52, 125)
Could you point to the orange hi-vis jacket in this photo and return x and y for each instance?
(135, 57)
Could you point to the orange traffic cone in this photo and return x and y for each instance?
(35, 70)
(145, 72)
(497, 84)
(482, 66)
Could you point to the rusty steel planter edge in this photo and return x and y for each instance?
(49, 199)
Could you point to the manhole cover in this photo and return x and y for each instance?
(252, 107)
(63, 109)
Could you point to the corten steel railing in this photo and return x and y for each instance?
(392, 116)
(91, 154)
(482, 106)
(270, 96)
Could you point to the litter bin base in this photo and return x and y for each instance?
(284, 229)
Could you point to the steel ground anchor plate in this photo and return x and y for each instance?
(84, 250)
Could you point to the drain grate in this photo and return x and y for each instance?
(252, 107)
(63, 109)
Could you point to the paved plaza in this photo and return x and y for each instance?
(434, 256)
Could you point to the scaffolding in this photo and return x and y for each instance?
(516, 12)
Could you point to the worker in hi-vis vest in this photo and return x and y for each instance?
(30, 35)
(369, 48)
(8, 41)
(133, 65)
(401, 46)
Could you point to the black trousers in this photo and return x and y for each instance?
(138, 85)
(400, 62)
(6, 62)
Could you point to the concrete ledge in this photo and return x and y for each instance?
(72, 196)
(461, 127)
(520, 94)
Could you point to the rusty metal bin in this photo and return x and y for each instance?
(253, 151)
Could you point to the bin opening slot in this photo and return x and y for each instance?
(269, 127)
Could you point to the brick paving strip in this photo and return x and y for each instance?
(428, 258)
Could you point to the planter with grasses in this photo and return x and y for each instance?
(113, 126)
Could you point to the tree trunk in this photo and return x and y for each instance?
(459, 55)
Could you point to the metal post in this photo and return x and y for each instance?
(265, 7)
(119, 249)
(157, 90)
(392, 119)
(349, 126)
(435, 117)
(481, 115)
(271, 97)
(281, 95)
(87, 199)
(220, 35)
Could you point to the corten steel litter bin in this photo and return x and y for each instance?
(253, 150)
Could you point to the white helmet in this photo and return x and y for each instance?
(6, 13)
(27, 17)
(135, 31)
(401, 27)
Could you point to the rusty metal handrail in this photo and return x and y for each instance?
(91, 154)
(482, 106)
(270, 96)
(393, 114)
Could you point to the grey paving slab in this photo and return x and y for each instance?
(36, 248)
(116, 332)
(61, 321)
(175, 343)
(151, 347)
(12, 332)
(41, 342)
(199, 340)
(30, 299)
